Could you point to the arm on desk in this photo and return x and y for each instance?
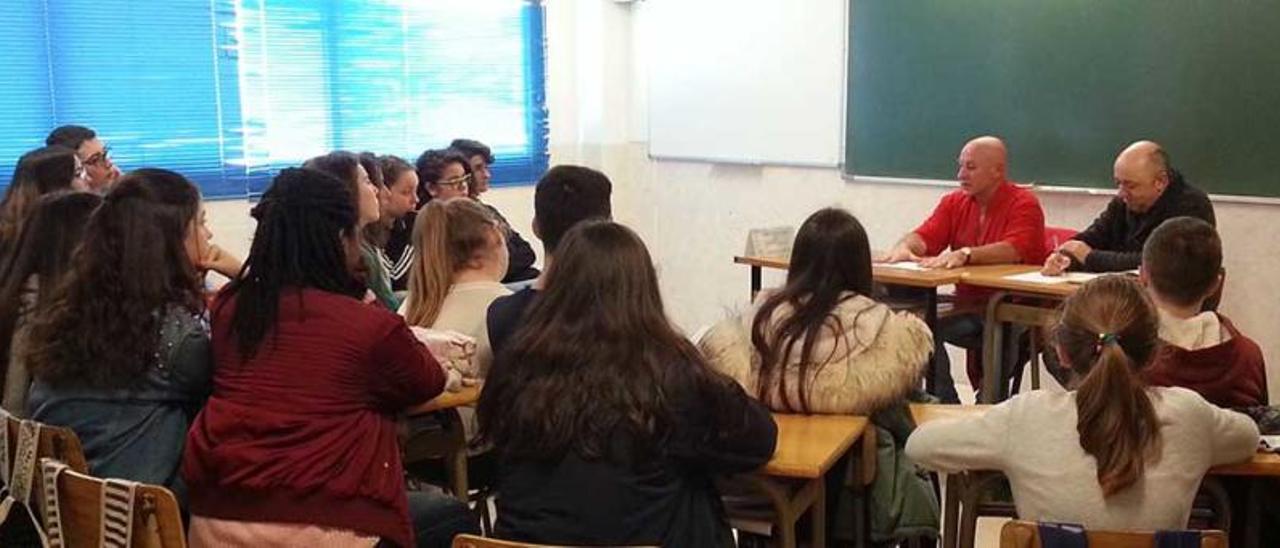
(724, 430)
(1235, 436)
(953, 445)
(1100, 260)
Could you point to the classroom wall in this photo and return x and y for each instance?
(694, 216)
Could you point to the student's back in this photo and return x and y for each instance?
(1112, 453)
(607, 424)
(819, 344)
(1202, 350)
(121, 353)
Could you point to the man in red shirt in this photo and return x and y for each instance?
(989, 220)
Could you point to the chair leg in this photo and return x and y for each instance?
(1035, 358)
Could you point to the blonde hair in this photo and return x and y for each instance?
(447, 234)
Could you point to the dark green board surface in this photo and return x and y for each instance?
(1067, 84)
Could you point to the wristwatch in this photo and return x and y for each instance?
(968, 254)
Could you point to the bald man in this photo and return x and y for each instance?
(1150, 192)
(988, 220)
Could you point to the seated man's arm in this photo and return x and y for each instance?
(910, 248)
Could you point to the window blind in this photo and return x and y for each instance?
(229, 91)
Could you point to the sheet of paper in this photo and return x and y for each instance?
(905, 265)
(1037, 278)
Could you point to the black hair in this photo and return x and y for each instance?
(305, 239)
(70, 136)
(1183, 259)
(39, 172)
(431, 165)
(567, 195)
(472, 147)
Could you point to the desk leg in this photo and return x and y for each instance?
(950, 508)
(457, 457)
(818, 515)
(931, 320)
(992, 350)
(755, 281)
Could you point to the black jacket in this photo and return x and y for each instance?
(520, 255)
(1117, 236)
(666, 499)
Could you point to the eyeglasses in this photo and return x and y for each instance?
(101, 158)
(456, 181)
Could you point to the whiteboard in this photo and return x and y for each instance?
(746, 81)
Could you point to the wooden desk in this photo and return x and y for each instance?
(929, 280)
(793, 480)
(1000, 312)
(450, 443)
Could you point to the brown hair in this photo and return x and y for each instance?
(1108, 334)
(447, 234)
(1183, 258)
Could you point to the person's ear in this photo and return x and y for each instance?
(1143, 277)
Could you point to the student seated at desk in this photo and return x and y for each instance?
(1110, 454)
(297, 445)
(1203, 351)
(820, 344)
(1150, 192)
(989, 220)
(608, 424)
(346, 167)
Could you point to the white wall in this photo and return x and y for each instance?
(694, 216)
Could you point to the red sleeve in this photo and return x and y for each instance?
(404, 371)
(936, 230)
(1025, 229)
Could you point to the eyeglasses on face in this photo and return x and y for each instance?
(456, 181)
(100, 159)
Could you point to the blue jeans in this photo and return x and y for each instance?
(965, 331)
(437, 518)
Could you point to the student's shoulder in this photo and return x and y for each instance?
(509, 308)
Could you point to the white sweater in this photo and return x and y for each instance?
(1032, 439)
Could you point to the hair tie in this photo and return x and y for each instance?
(1105, 339)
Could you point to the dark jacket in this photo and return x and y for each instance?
(506, 315)
(1117, 236)
(398, 253)
(137, 433)
(520, 255)
(304, 431)
(633, 496)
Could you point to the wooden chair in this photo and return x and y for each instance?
(1025, 534)
(472, 541)
(157, 520)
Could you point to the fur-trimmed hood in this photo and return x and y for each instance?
(874, 357)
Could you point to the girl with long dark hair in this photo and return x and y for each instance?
(297, 444)
(1111, 453)
(820, 344)
(39, 172)
(120, 353)
(41, 258)
(363, 189)
(607, 423)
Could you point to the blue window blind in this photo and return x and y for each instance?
(229, 91)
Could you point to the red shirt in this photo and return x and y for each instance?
(1013, 215)
(304, 432)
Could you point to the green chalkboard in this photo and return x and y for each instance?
(1067, 84)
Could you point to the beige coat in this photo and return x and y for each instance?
(877, 357)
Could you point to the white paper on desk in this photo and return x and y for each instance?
(1037, 278)
(1269, 443)
(905, 265)
(1086, 277)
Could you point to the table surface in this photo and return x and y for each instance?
(809, 445)
(1262, 463)
(467, 396)
(884, 274)
(996, 277)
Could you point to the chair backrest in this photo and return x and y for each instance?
(157, 520)
(472, 541)
(1026, 534)
(1056, 235)
(55, 442)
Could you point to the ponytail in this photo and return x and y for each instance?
(432, 274)
(1108, 334)
(448, 234)
(1115, 419)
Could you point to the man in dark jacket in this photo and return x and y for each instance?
(1150, 192)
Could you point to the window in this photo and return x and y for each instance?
(229, 91)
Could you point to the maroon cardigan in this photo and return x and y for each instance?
(304, 432)
(1231, 374)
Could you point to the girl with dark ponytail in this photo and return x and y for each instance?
(1112, 452)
